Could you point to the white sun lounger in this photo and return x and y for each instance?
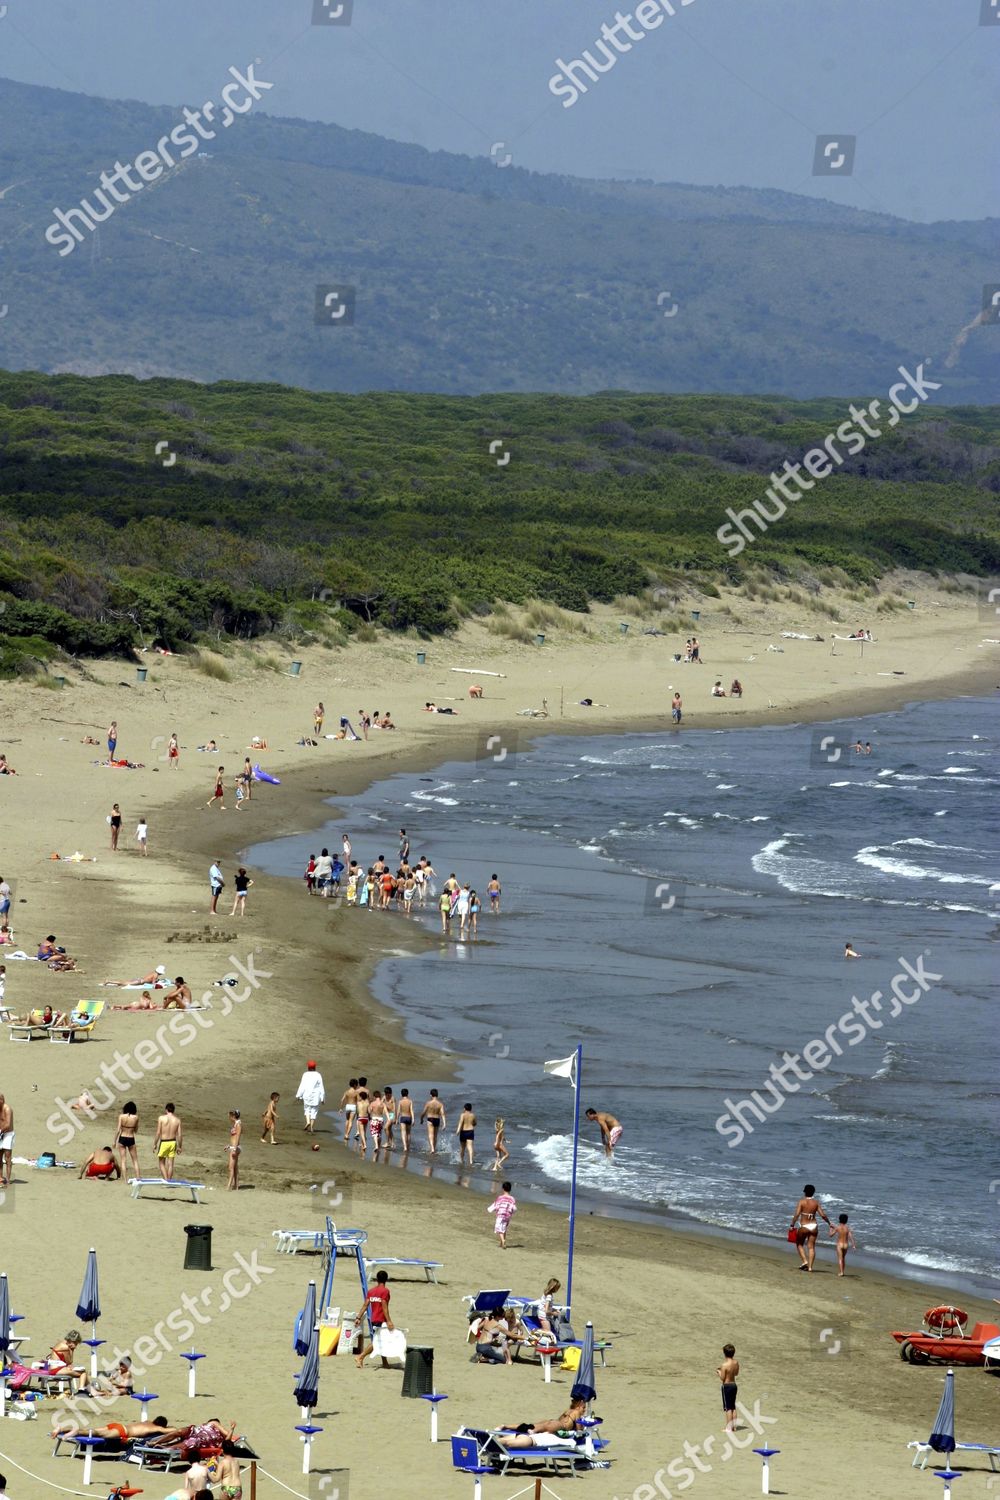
(181, 1183)
(429, 1267)
(924, 1451)
(291, 1241)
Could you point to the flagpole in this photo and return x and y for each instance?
(572, 1193)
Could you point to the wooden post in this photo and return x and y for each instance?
(253, 1479)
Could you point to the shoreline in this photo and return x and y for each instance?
(124, 914)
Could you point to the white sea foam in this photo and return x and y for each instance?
(878, 858)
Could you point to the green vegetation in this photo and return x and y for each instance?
(294, 512)
(467, 278)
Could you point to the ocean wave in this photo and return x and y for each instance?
(430, 797)
(684, 820)
(876, 856)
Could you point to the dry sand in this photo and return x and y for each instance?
(668, 1300)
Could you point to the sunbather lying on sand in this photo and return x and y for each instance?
(144, 1002)
(157, 978)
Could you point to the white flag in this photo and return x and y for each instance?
(562, 1067)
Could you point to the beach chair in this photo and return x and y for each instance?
(180, 1184)
(924, 1451)
(531, 1327)
(145, 1456)
(291, 1241)
(429, 1267)
(81, 1023)
(27, 1031)
(475, 1450)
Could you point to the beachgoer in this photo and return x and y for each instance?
(727, 1373)
(319, 714)
(499, 1143)
(115, 822)
(444, 906)
(868, 747)
(101, 1163)
(345, 844)
(269, 1119)
(611, 1129)
(216, 881)
(718, 691)
(849, 951)
(6, 1141)
(173, 751)
(128, 1129)
(505, 1207)
(376, 1304)
(241, 884)
(434, 1116)
(676, 708)
(544, 1309)
(405, 1113)
(218, 797)
(491, 1342)
(312, 1094)
(119, 1384)
(364, 1114)
(808, 1212)
(168, 1142)
(112, 738)
(466, 1132)
(323, 872)
(180, 997)
(845, 1242)
(493, 891)
(376, 1119)
(233, 1149)
(389, 1104)
(349, 1104)
(142, 836)
(736, 688)
(475, 907)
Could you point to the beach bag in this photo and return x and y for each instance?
(571, 1358)
(793, 1236)
(46, 1159)
(562, 1329)
(389, 1343)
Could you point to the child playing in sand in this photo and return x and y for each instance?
(845, 1241)
(269, 1119)
(499, 1143)
(727, 1373)
(505, 1208)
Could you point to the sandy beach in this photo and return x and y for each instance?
(668, 1301)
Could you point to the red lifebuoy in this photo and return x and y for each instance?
(947, 1319)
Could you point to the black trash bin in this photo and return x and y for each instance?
(198, 1250)
(418, 1373)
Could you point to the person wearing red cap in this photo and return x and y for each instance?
(312, 1094)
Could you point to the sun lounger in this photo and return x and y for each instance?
(924, 1452)
(27, 1031)
(81, 1022)
(181, 1184)
(429, 1267)
(145, 1454)
(476, 1451)
(291, 1241)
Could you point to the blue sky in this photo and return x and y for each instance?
(729, 92)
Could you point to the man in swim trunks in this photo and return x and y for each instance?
(727, 1373)
(6, 1141)
(434, 1116)
(123, 1432)
(611, 1129)
(168, 1142)
(349, 1104)
(466, 1132)
(808, 1212)
(101, 1163)
(179, 997)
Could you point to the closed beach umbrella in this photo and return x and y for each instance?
(583, 1387)
(4, 1337)
(307, 1317)
(942, 1438)
(307, 1387)
(88, 1309)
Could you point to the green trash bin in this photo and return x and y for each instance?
(198, 1250)
(418, 1372)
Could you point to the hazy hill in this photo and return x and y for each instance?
(469, 277)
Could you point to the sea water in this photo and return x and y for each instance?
(679, 903)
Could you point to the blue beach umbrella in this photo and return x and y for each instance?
(583, 1387)
(305, 1321)
(307, 1387)
(4, 1317)
(942, 1438)
(88, 1309)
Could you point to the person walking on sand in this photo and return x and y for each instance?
(312, 1094)
(611, 1129)
(128, 1128)
(235, 1136)
(6, 1142)
(269, 1119)
(319, 714)
(727, 1373)
(241, 884)
(218, 797)
(168, 1142)
(376, 1305)
(142, 836)
(216, 881)
(677, 709)
(466, 1132)
(349, 1104)
(433, 1116)
(808, 1212)
(173, 752)
(364, 1114)
(500, 1143)
(115, 824)
(505, 1207)
(845, 1242)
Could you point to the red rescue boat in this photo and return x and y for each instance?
(944, 1339)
